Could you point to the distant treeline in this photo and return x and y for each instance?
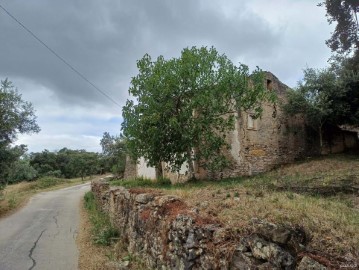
(67, 163)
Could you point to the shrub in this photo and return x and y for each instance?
(47, 181)
(21, 170)
(56, 173)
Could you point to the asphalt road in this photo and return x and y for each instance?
(42, 234)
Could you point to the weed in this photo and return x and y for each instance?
(103, 231)
(228, 195)
(236, 194)
(12, 202)
(111, 256)
(90, 201)
(105, 236)
(290, 196)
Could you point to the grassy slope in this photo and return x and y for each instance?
(320, 195)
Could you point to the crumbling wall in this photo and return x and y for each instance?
(336, 140)
(130, 168)
(272, 139)
(167, 234)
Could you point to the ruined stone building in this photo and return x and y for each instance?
(259, 145)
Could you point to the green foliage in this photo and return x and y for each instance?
(161, 182)
(89, 200)
(103, 231)
(113, 154)
(8, 156)
(66, 163)
(326, 97)
(188, 103)
(345, 13)
(314, 97)
(16, 116)
(21, 170)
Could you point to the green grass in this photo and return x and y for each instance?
(102, 230)
(143, 182)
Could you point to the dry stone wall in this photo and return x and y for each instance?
(167, 234)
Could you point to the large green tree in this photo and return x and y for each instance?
(327, 96)
(16, 116)
(345, 13)
(184, 107)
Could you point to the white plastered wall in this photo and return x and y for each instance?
(144, 171)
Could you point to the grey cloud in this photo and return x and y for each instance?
(104, 39)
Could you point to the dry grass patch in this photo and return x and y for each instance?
(307, 194)
(17, 195)
(333, 225)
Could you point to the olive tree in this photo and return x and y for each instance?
(16, 116)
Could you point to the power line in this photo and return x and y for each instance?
(59, 57)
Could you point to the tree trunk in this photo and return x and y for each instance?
(190, 165)
(159, 171)
(320, 139)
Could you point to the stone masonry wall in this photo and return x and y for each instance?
(130, 168)
(167, 234)
(274, 138)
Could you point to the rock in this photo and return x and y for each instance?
(245, 261)
(108, 177)
(191, 242)
(165, 199)
(242, 262)
(192, 255)
(273, 232)
(267, 266)
(144, 198)
(270, 252)
(220, 235)
(294, 239)
(308, 263)
(117, 265)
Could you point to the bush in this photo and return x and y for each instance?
(162, 181)
(47, 181)
(90, 201)
(21, 170)
(56, 173)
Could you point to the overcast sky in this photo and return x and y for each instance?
(103, 40)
